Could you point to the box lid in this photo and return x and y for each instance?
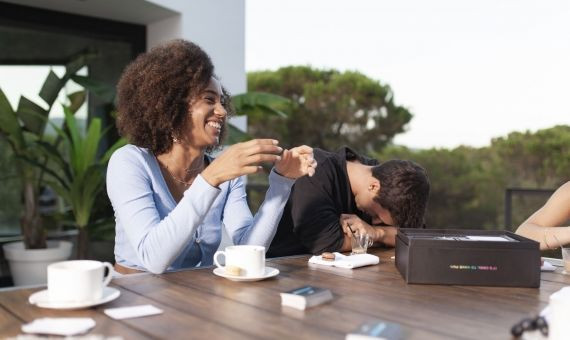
(465, 238)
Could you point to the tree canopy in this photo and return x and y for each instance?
(328, 109)
(468, 184)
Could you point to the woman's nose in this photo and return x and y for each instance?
(220, 110)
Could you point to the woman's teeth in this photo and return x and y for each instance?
(215, 125)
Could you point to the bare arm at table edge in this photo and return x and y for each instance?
(544, 225)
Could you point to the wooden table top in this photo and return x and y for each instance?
(198, 304)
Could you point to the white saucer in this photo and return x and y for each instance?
(269, 272)
(41, 299)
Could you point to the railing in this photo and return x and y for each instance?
(509, 192)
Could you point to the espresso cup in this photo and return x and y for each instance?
(78, 281)
(249, 259)
(558, 325)
(360, 243)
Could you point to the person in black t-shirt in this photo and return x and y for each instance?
(349, 191)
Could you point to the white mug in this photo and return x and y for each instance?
(78, 281)
(249, 259)
(559, 325)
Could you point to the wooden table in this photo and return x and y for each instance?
(198, 304)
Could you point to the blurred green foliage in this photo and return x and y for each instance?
(468, 184)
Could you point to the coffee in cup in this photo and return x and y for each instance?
(244, 260)
(78, 281)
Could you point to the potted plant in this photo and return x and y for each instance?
(77, 170)
(23, 129)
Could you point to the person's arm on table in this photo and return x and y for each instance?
(544, 225)
(380, 234)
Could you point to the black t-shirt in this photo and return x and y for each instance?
(310, 221)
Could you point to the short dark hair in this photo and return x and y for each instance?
(156, 89)
(404, 191)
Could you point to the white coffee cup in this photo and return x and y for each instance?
(559, 324)
(250, 259)
(77, 281)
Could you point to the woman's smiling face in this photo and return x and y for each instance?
(207, 116)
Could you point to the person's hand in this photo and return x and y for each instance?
(296, 162)
(241, 159)
(351, 223)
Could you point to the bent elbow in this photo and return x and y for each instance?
(156, 268)
(154, 264)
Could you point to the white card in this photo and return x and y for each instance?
(132, 312)
(488, 238)
(59, 326)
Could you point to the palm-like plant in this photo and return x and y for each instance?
(23, 129)
(76, 171)
(255, 105)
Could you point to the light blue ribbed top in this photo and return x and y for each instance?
(156, 234)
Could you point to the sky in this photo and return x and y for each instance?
(469, 71)
(28, 80)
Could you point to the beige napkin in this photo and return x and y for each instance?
(59, 326)
(349, 262)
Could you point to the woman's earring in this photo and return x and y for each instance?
(175, 140)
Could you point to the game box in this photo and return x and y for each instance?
(467, 257)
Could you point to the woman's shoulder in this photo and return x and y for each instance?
(131, 157)
(130, 152)
(562, 194)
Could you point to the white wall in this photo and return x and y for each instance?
(218, 26)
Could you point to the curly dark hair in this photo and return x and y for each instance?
(404, 191)
(155, 92)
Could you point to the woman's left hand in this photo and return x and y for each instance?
(296, 162)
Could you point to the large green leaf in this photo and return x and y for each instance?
(91, 143)
(43, 167)
(51, 87)
(85, 188)
(9, 124)
(32, 115)
(76, 99)
(61, 190)
(53, 154)
(121, 142)
(100, 89)
(75, 139)
(271, 104)
(235, 135)
(78, 61)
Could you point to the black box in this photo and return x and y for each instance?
(467, 257)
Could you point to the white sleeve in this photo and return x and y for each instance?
(241, 227)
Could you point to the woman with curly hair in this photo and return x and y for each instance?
(170, 198)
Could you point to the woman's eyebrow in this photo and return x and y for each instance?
(208, 91)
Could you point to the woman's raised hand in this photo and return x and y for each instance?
(242, 159)
(296, 162)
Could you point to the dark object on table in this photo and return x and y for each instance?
(305, 297)
(467, 257)
(530, 324)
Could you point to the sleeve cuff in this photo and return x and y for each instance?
(279, 180)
